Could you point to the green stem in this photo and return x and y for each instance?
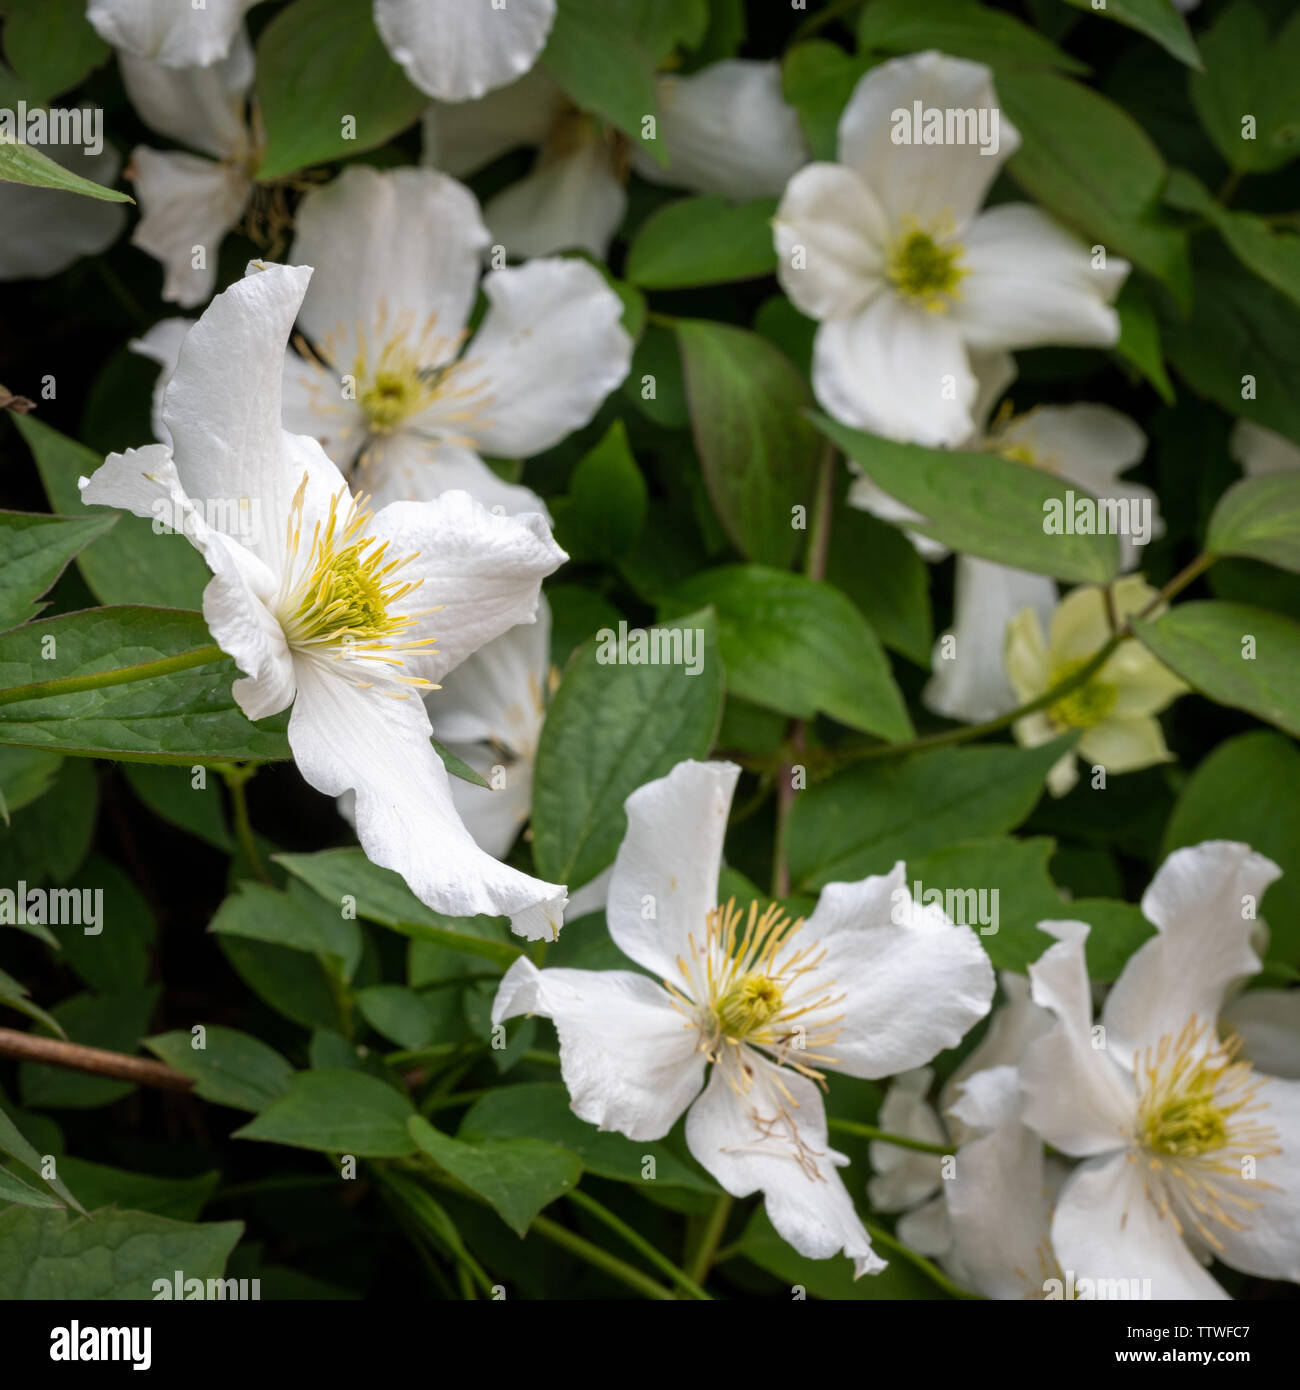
(601, 1259)
(1230, 185)
(120, 675)
(638, 1242)
(882, 1237)
(819, 530)
(236, 778)
(902, 1141)
(706, 1253)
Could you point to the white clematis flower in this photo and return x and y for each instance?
(1260, 451)
(889, 251)
(385, 380)
(1085, 445)
(188, 202)
(727, 130)
(46, 230)
(173, 32)
(1189, 1153)
(331, 609)
(1116, 707)
(458, 49)
(867, 985)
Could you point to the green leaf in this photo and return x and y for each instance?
(663, 26)
(170, 792)
(865, 819)
(185, 716)
(49, 839)
(817, 79)
(400, 1014)
(27, 165)
(982, 504)
(16, 996)
(540, 1110)
(114, 959)
(797, 646)
(518, 1177)
(297, 986)
(36, 550)
(1089, 162)
(1157, 19)
(960, 27)
(1002, 888)
(703, 241)
(336, 1111)
(758, 454)
(115, 1255)
(879, 569)
(26, 774)
(1250, 72)
(612, 727)
(347, 877)
(1241, 334)
(115, 1022)
(1259, 518)
(52, 46)
(1206, 643)
(603, 68)
(298, 919)
(231, 1068)
(1139, 337)
(14, 1189)
(457, 767)
(181, 1199)
(319, 63)
(603, 514)
(132, 563)
(1246, 790)
(13, 1143)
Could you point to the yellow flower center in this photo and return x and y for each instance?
(390, 398)
(1081, 708)
(749, 1004)
(925, 270)
(344, 599)
(1198, 1131)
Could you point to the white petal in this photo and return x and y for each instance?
(1124, 745)
(1076, 1096)
(891, 370)
(1030, 283)
(1268, 1021)
(913, 983)
(1268, 1241)
(409, 467)
(179, 35)
(1261, 451)
(162, 344)
(869, 497)
(493, 815)
(551, 348)
(498, 695)
(727, 130)
(348, 738)
(461, 137)
(998, 1199)
(314, 403)
(926, 182)
(830, 242)
(630, 1060)
(905, 1177)
(45, 231)
(187, 205)
(927, 1229)
(572, 201)
(396, 255)
(1016, 1023)
(973, 685)
(459, 49)
(591, 897)
(1198, 902)
(667, 865)
(760, 1128)
(202, 107)
(1028, 668)
(1107, 1228)
(482, 572)
(222, 407)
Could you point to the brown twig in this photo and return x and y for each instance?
(92, 1060)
